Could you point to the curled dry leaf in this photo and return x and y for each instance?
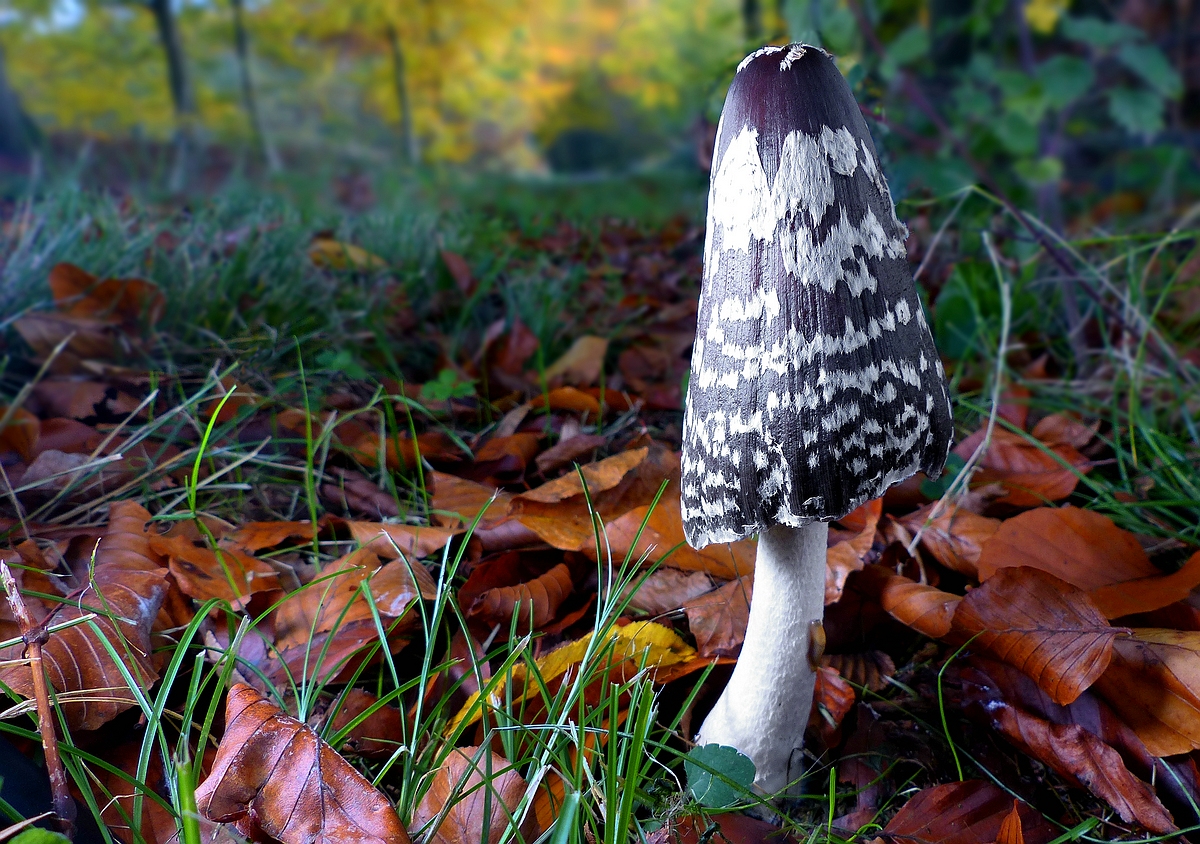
(995, 694)
(1153, 682)
(1042, 625)
(390, 541)
(667, 589)
(1031, 473)
(569, 399)
(870, 669)
(954, 537)
(473, 798)
(226, 574)
(967, 812)
(833, 698)
(1011, 829)
(458, 501)
(274, 774)
(848, 555)
(125, 594)
(1058, 428)
(20, 432)
(535, 603)
(926, 609)
(569, 450)
(718, 619)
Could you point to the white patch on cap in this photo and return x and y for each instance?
(761, 51)
(841, 149)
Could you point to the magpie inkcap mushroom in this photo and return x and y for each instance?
(815, 382)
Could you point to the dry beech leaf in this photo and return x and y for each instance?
(378, 735)
(1058, 428)
(276, 773)
(970, 812)
(389, 541)
(667, 589)
(955, 537)
(478, 792)
(535, 603)
(926, 609)
(568, 451)
(255, 536)
(228, 574)
(580, 365)
(126, 592)
(462, 500)
(847, 556)
(1078, 754)
(1153, 683)
(1011, 831)
(568, 399)
(870, 669)
(1148, 593)
(330, 254)
(718, 619)
(600, 476)
(1081, 547)
(1030, 475)
(1042, 625)
(833, 698)
(20, 433)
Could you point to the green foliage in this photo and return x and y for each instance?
(36, 835)
(718, 776)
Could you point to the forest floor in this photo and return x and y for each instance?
(405, 480)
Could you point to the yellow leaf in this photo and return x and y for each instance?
(330, 254)
(1042, 15)
(642, 643)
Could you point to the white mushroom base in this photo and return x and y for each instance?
(764, 708)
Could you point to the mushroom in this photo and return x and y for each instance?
(815, 384)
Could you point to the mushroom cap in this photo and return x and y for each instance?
(815, 384)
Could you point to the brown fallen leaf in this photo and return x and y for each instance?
(126, 591)
(457, 501)
(20, 432)
(460, 271)
(1031, 473)
(1011, 829)
(955, 537)
(833, 698)
(389, 541)
(256, 536)
(580, 365)
(1153, 683)
(869, 669)
(718, 619)
(926, 609)
(569, 450)
(569, 399)
(969, 812)
(375, 737)
(330, 254)
(1040, 624)
(848, 555)
(534, 602)
(1059, 428)
(472, 798)
(202, 574)
(666, 589)
(275, 774)
(600, 476)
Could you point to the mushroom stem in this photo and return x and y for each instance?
(764, 708)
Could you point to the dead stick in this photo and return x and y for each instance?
(34, 635)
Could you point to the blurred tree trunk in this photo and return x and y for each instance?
(752, 20)
(19, 135)
(407, 137)
(182, 96)
(242, 46)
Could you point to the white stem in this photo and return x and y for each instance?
(764, 708)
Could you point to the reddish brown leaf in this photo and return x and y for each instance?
(970, 812)
(389, 540)
(1030, 475)
(202, 574)
(20, 433)
(667, 589)
(569, 450)
(568, 399)
(378, 735)
(474, 793)
(1083, 758)
(602, 475)
(1060, 429)
(1042, 625)
(663, 532)
(833, 698)
(126, 592)
(869, 669)
(926, 609)
(955, 537)
(534, 603)
(718, 619)
(460, 271)
(458, 501)
(276, 772)
(1011, 831)
(847, 556)
(255, 536)
(1154, 684)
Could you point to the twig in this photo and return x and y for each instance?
(34, 635)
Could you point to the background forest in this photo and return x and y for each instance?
(344, 347)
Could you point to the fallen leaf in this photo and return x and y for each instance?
(969, 812)
(666, 589)
(1031, 473)
(926, 609)
(718, 620)
(1059, 428)
(389, 541)
(600, 476)
(569, 450)
(580, 365)
(833, 698)
(375, 737)
(847, 556)
(460, 271)
(1042, 625)
(568, 399)
(276, 773)
(227, 574)
(955, 537)
(475, 793)
(1011, 831)
(125, 593)
(534, 603)
(868, 669)
(330, 254)
(20, 432)
(457, 500)
(1153, 683)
